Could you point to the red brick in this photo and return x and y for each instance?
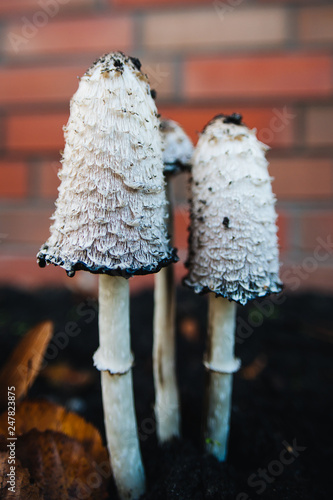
(141, 4)
(283, 229)
(215, 26)
(161, 75)
(287, 75)
(307, 274)
(314, 225)
(141, 283)
(298, 2)
(36, 132)
(13, 179)
(23, 6)
(35, 85)
(23, 271)
(320, 279)
(318, 126)
(315, 24)
(25, 225)
(302, 178)
(49, 181)
(181, 225)
(180, 189)
(58, 84)
(265, 120)
(93, 35)
(44, 132)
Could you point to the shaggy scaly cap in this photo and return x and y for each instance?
(110, 212)
(177, 147)
(233, 242)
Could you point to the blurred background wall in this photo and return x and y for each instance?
(269, 60)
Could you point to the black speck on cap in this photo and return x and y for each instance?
(136, 62)
(41, 262)
(234, 118)
(118, 64)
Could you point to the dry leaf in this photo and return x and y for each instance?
(189, 328)
(24, 487)
(60, 466)
(251, 371)
(25, 362)
(67, 378)
(43, 415)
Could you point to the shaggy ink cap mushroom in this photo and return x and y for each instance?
(233, 242)
(177, 152)
(111, 209)
(177, 147)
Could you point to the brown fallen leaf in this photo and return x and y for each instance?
(60, 466)
(67, 378)
(43, 415)
(189, 328)
(24, 487)
(251, 371)
(25, 362)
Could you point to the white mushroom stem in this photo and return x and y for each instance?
(166, 392)
(114, 360)
(220, 363)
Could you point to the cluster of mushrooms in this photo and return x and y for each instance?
(113, 217)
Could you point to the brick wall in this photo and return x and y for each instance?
(270, 60)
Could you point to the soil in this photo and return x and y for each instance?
(281, 397)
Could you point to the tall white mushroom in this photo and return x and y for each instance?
(233, 250)
(110, 219)
(177, 152)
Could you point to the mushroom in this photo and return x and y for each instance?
(177, 147)
(110, 219)
(233, 250)
(177, 152)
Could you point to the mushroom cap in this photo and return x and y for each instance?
(177, 147)
(233, 242)
(110, 214)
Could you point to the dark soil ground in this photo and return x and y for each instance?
(281, 397)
